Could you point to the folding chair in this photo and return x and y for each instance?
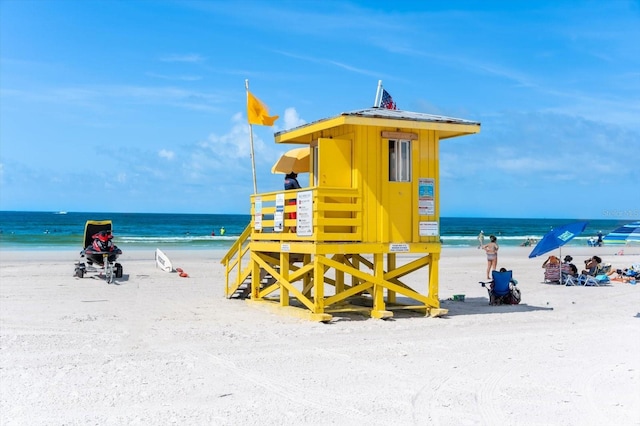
(502, 288)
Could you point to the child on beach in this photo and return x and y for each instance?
(492, 254)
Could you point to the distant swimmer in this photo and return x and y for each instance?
(222, 231)
(213, 233)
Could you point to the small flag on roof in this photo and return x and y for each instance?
(387, 101)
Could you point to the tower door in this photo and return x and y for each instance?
(334, 170)
(398, 185)
(334, 165)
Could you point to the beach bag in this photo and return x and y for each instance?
(514, 296)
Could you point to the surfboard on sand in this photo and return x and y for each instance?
(163, 262)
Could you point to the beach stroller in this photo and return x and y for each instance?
(99, 251)
(502, 288)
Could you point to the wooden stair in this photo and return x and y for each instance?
(244, 290)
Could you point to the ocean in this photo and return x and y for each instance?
(56, 230)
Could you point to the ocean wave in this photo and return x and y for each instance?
(172, 239)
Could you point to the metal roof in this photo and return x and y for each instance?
(406, 115)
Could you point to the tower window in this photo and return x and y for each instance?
(399, 160)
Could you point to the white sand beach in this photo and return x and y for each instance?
(160, 349)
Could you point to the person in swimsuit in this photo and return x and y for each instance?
(492, 255)
(591, 265)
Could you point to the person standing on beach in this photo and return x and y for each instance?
(480, 239)
(492, 254)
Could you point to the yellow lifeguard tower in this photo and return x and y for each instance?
(373, 195)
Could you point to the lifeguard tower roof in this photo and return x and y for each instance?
(448, 127)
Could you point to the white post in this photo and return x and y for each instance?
(376, 103)
(253, 160)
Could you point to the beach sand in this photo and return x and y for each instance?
(160, 349)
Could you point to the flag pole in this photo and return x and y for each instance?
(376, 103)
(253, 160)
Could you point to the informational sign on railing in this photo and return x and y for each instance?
(304, 225)
(257, 221)
(278, 215)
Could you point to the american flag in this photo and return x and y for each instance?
(387, 101)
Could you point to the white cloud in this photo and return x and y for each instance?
(233, 144)
(102, 97)
(292, 119)
(175, 77)
(190, 57)
(169, 155)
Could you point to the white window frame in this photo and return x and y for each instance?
(399, 165)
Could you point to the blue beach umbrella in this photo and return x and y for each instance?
(558, 237)
(628, 232)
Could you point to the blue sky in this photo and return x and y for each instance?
(140, 106)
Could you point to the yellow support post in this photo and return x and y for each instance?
(255, 279)
(391, 265)
(318, 280)
(433, 286)
(379, 310)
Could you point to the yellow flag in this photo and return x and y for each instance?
(258, 113)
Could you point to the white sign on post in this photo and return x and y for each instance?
(426, 196)
(304, 225)
(257, 221)
(399, 248)
(278, 215)
(428, 229)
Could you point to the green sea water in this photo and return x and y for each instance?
(52, 230)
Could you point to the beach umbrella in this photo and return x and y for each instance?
(628, 232)
(296, 160)
(558, 237)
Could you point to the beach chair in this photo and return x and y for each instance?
(555, 273)
(552, 273)
(599, 278)
(570, 279)
(502, 288)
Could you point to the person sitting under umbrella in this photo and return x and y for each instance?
(291, 181)
(573, 269)
(551, 269)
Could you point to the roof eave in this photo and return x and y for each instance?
(303, 134)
